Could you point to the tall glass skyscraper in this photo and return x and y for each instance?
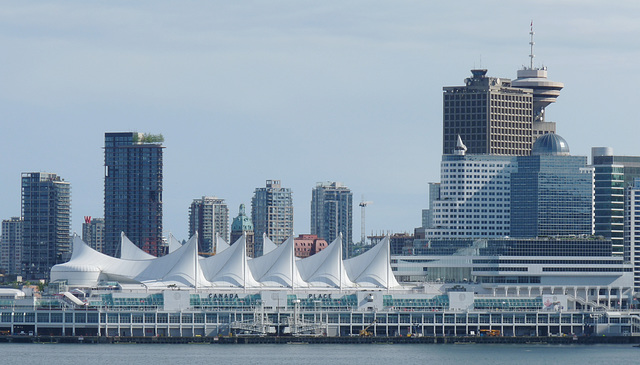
(93, 233)
(272, 213)
(209, 217)
(552, 192)
(613, 175)
(11, 246)
(133, 191)
(332, 212)
(632, 229)
(46, 214)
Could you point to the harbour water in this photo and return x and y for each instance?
(476, 354)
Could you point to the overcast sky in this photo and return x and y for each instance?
(300, 91)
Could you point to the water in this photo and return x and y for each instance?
(315, 354)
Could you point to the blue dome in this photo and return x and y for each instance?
(242, 222)
(550, 144)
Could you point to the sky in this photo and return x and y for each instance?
(297, 91)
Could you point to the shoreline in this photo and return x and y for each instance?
(309, 340)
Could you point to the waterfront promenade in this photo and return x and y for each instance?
(560, 340)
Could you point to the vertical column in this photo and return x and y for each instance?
(620, 297)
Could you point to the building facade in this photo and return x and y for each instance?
(632, 229)
(306, 245)
(332, 212)
(133, 191)
(93, 232)
(490, 116)
(240, 226)
(434, 194)
(475, 197)
(209, 217)
(272, 213)
(11, 246)
(613, 174)
(46, 214)
(401, 243)
(552, 192)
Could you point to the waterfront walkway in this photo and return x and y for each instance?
(299, 340)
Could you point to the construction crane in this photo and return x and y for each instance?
(365, 332)
(363, 204)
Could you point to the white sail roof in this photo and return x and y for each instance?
(89, 265)
(179, 267)
(129, 251)
(267, 244)
(174, 244)
(230, 267)
(221, 244)
(78, 270)
(373, 268)
(278, 267)
(326, 267)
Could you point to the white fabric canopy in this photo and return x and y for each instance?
(373, 268)
(129, 251)
(230, 268)
(325, 268)
(221, 244)
(174, 244)
(267, 244)
(277, 268)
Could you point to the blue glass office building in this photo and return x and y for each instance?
(612, 175)
(133, 191)
(552, 192)
(46, 213)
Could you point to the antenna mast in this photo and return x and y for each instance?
(531, 42)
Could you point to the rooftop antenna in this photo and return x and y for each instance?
(531, 42)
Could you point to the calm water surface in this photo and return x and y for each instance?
(316, 354)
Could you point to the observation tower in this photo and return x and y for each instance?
(545, 91)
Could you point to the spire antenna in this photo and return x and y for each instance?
(531, 42)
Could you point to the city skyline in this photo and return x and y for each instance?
(222, 81)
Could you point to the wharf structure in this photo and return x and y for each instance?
(182, 294)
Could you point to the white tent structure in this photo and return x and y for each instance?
(174, 244)
(278, 268)
(326, 267)
(180, 268)
(372, 268)
(129, 251)
(267, 244)
(87, 267)
(230, 268)
(221, 244)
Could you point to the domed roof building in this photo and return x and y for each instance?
(242, 222)
(552, 191)
(550, 144)
(242, 225)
